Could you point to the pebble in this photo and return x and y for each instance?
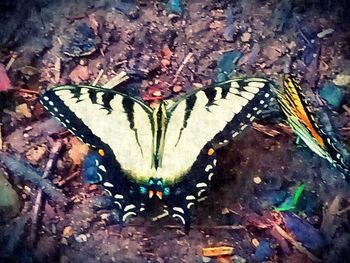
(81, 238)
(177, 88)
(342, 80)
(325, 33)
(257, 180)
(245, 37)
(68, 231)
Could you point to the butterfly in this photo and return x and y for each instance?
(165, 152)
(305, 125)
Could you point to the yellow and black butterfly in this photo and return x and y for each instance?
(304, 124)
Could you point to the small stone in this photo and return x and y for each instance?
(23, 110)
(64, 241)
(257, 180)
(177, 88)
(165, 62)
(342, 80)
(325, 32)
(81, 238)
(245, 37)
(157, 93)
(82, 62)
(68, 231)
(255, 242)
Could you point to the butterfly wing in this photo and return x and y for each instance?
(118, 124)
(209, 115)
(304, 124)
(115, 125)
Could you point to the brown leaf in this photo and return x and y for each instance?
(79, 74)
(5, 82)
(166, 52)
(23, 110)
(217, 251)
(68, 231)
(78, 151)
(35, 154)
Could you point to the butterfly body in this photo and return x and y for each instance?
(163, 152)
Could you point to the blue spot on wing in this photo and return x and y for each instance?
(91, 173)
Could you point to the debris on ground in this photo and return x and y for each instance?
(274, 200)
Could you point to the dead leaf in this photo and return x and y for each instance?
(57, 70)
(265, 129)
(35, 154)
(0, 137)
(68, 231)
(93, 23)
(78, 151)
(23, 110)
(79, 73)
(166, 52)
(5, 82)
(29, 70)
(217, 251)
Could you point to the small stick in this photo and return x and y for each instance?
(72, 176)
(264, 129)
(156, 218)
(9, 64)
(340, 212)
(59, 41)
(27, 91)
(296, 244)
(99, 75)
(222, 227)
(38, 201)
(116, 80)
(120, 62)
(184, 62)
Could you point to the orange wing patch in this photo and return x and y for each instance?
(293, 92)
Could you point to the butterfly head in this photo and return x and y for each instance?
(155, 188)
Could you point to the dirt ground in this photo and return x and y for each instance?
(47, 43)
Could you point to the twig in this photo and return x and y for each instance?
(39, 198)
(296, 244)
(340, 212)
(27, 172)
(115, 81)
(26, 91)
(156, 218)
(266, 130)
(222, 227)
(9, 64)
(184, 62)
(72, 176)
(99, 75)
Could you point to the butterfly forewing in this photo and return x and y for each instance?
(304, 124)
(105, 117)
(199, 117)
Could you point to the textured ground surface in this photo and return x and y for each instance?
(273, 38)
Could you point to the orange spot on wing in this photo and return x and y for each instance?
(211, 151)
(101, 152)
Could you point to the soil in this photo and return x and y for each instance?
(57, 42)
